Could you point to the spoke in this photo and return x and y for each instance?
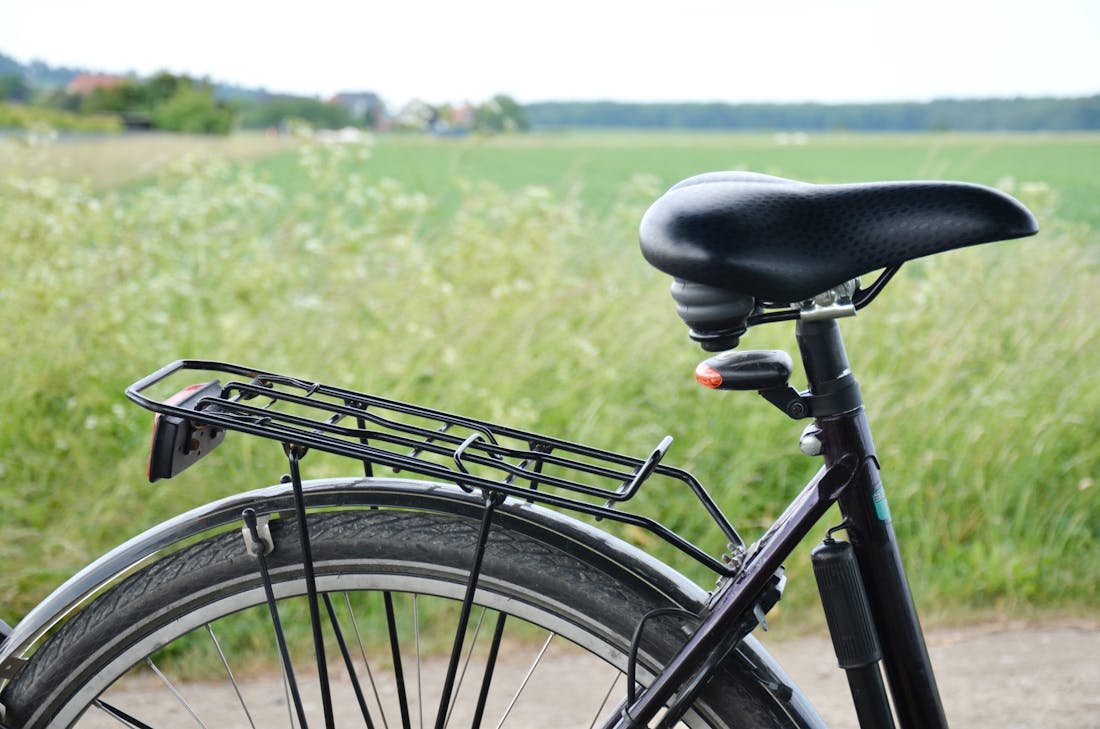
(175, 692)
(398, 669)
(416, 641)
(491, 502)
(526, 678)
(229, 673)
(311, 586)
(120, 716)
(465, 665)
(363, 653)
(289, 701)
(606, 698)
(352, 674)
(490, 668)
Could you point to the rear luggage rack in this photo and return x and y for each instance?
(473, 454)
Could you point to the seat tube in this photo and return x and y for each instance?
(870, 530)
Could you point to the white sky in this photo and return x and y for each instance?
(678, 50)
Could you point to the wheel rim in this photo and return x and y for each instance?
(520, 694)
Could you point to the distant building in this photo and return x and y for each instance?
(85, 83)
(446, 120)
(364, 106)
(463, 116)
(416, 114)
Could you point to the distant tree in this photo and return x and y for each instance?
(162, 86)
(59, 98)
(9, 66)
(14, 88)
(166, 101)
(275, 111)
(39, 73)
(501, 114)
(127, 96)
(194, 110)
(958, 114)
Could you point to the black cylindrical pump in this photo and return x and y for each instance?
(852, 629)
(845, 601)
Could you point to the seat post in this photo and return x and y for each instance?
(823, 355)
(845, 432)
(833, 387)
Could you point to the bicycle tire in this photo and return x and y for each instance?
(531, 571)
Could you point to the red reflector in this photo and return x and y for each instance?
(178, 442)
(184, 393)
(708, 376)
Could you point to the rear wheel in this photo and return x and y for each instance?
(545, 644)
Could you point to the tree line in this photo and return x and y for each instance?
(175, 103)
(164, 101)
(1019, 114)
(181, 103)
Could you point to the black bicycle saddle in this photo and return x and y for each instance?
(780, 240)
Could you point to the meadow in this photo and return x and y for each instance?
(595, 166)
(500, 278)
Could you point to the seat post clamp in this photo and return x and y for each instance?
(840, 396)
(832, 304)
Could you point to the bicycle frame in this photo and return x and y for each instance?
(850, 477)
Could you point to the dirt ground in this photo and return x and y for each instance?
(1003, 676)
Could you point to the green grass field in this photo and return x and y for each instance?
(596, 166)
(500, 278)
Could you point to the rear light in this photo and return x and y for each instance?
(178, 442)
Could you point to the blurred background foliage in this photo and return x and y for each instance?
(470, 276)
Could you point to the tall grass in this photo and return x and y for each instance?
(110, 160)
(39, 119)
(528, 307)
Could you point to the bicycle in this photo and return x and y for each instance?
(509, 525)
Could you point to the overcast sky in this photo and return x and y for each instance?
(678, 50)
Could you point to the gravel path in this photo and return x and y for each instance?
(1003, 676)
